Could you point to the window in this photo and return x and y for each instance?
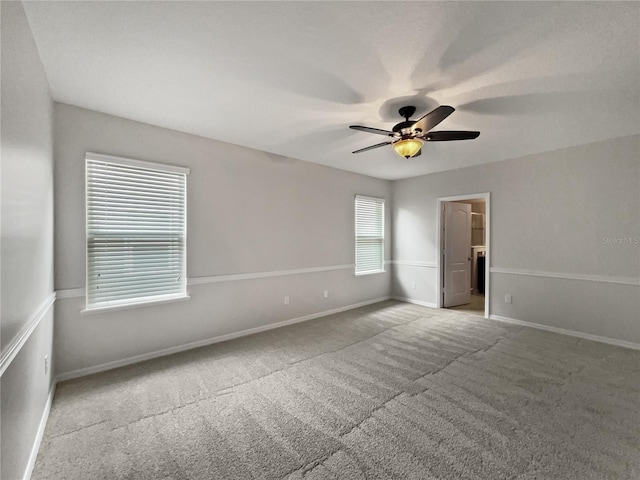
(136, 231)
(369, 235)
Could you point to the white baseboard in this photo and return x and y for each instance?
(414, 263)
(209, 341)
(564, 331)
(40, 433)
(416, 302)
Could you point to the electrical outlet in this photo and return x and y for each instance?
(46, 364)
(326, 294)
(286, 300)
(413, 285)
(508, 299)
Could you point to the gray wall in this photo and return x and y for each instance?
(551, 214)
(248, 212)
(27, 239)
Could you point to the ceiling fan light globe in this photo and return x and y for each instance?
(407, 147)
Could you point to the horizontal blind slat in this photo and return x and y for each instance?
(110, 255)
(116, 291)
(132, 177)
(115, 269)
(135, 294)
(133, 212)
(100, 203)
(137, 300)
(136, 284)
(102, 165)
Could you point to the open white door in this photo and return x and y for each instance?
(457, 254)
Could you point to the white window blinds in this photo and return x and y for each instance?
(369, 235)
(136, 231)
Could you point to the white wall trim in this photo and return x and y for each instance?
(564, 331)
(70, 293)
(209, 341)
(274, 273)
(80, 292)
(18, 342)
(416, 302)
(40, 433)
(415, 263)
(568, 276)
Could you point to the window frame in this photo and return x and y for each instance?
(135, 301)
(382, 238)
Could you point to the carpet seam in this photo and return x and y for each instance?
(403, 392)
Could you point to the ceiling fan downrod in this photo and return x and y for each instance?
(407, 112)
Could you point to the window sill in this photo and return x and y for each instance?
(127, 306)
(370, 272)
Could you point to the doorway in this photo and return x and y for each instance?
(463, 263)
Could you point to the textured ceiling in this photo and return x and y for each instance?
(289, 77)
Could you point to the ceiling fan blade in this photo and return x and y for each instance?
(432, 118)
(446, 136)
(377, 145)
(372, 130)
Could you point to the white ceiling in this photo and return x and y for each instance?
(289, 77)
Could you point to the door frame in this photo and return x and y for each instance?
(440, 238)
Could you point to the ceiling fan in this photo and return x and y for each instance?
(409, 136)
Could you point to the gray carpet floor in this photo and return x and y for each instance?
(387, 391)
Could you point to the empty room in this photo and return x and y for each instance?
(320, 240)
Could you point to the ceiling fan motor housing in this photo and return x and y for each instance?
(403, 126)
